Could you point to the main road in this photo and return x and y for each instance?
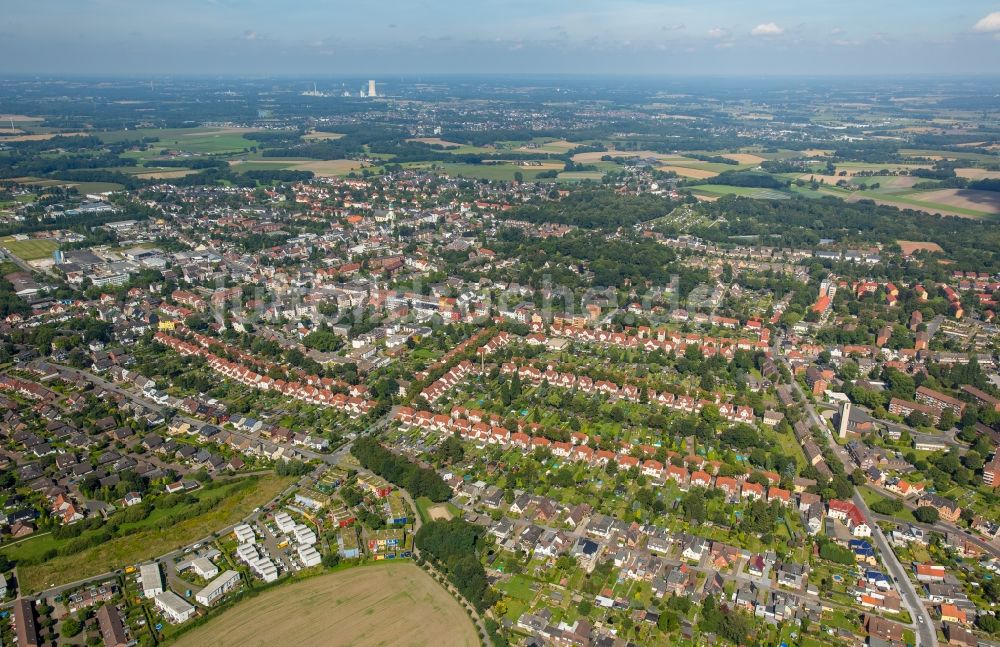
(925, 633)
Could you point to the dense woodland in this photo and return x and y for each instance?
(418, 481)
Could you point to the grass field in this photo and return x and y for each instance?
(581, 175)
(557, 146)
(95, 187)
(389, 603)
(29, 250)
(149, 538)
(82, 187)
(188, 140)
(435, 141)
(748, 192)
(871, 496)
(271, 164)
(328, 168)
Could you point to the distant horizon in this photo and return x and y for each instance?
(644, 37)
(410, 76)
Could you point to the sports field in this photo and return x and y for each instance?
(29, 250)
(389, 603)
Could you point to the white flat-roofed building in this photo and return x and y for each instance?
(304, 535)
(218, 587)
(244, 534)
(309, 556)
(265, 568)
(204, 568)
(284, 522)
(174, 607)
(151, 580)
(247, 553)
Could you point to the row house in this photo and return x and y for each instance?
(688, 404)
(353, 406)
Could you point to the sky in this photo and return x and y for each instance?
(578, 37)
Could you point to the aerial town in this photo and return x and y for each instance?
(508, 372)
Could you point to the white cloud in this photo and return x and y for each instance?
(717, 32)
(767, 29)
(989, 24)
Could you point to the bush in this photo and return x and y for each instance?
(887, 506)
(926, 514)
(837, 554)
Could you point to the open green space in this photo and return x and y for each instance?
(192, 140)
(581, 175)
(424, 504)
(748, 192)
(147, 539)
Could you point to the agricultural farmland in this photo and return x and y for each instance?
(383, 604)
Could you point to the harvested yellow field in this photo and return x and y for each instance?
(817, 152)
(988, 201)
(390, 603)
(910, 247)
(595, 156)
(744, 158)
(39, 138)
(977, 174)
(826, 179)
(164, 175)
(328, 168)
(683, 171)
(321, 136)
(933, 209)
